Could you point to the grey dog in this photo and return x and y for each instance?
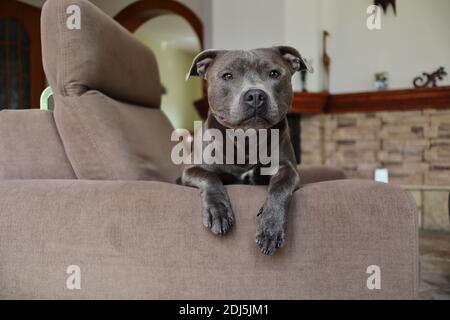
(248, 90)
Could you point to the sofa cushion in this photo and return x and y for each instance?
(100, 55)
(109, 140)
(30, 147)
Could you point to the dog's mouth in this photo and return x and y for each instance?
(254, 119)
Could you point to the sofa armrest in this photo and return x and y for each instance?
(312, 174)
(135, 240)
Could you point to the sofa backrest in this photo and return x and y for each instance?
(100, 55)
(107, 95)
(30, 147)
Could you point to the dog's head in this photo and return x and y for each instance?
(249, 89)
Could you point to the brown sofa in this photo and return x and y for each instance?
(91, 185)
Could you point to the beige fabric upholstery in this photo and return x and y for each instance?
(30, 147)
(90, 71)
(312, 174)
(101, 55)
(136, 240)
(109, 140)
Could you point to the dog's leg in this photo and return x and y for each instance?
(216, 207)
(270, 232)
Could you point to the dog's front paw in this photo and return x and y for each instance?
(217, 213)
(270, 233)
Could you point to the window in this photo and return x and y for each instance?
(14, 64)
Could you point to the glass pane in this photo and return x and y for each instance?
(13, 59)
(2, 89)
(26, 92)
(25, 63)
(2, 29)
(23, 36)
(13, 26)
(14, 65)
(13, 105)
(13, 91)
(2, 57)
(14, 83)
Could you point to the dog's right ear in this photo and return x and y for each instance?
(202, 62)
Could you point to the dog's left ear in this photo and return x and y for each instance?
(202, 62)
(294, 58)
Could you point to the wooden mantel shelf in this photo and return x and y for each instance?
(390, 100)
(309, 102)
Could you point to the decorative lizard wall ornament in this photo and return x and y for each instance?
(429, 79)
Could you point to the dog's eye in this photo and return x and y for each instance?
(227, 76)
(274, 74)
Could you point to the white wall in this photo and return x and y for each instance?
(247, 24)
(416, 40)
(303, 32)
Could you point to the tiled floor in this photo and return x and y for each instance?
(434, 266)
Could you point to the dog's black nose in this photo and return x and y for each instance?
(255, 98)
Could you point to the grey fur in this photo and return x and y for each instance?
(250, 70)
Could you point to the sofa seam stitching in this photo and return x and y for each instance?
(92, 141)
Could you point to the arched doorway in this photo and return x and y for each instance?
(175, 35)
(137, 13)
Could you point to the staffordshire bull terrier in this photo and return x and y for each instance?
(248, 90)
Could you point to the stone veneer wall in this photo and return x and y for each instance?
(413, 145)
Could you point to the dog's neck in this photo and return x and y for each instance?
(283, 132)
